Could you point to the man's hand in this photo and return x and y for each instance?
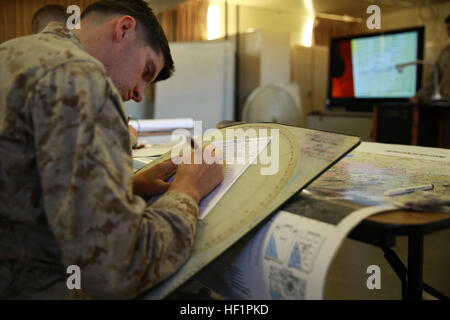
(133, 131)
(151, 182)
(197, 180)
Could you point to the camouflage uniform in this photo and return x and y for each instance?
(133, 140)
(443, 66)
(66, 193)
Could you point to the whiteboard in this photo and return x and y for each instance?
(202, 86)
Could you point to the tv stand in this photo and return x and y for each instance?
(415, 124)
(351, 123)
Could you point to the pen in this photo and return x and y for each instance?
(399, 191)
(139, 147)
(193, 143)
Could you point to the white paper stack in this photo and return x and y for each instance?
(157, 125)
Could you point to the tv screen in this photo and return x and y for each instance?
(362, 67)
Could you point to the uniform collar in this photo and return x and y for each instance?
(60, 30)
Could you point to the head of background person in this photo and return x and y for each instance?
(127, 38)
(47, 14)
(447, 22)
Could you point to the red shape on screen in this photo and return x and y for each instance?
(343, 87)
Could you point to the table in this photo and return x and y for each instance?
(381, 230)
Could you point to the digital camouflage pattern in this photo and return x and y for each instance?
(66, 180)
(443, 66)
(133, 140)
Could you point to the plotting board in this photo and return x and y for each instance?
(303, 155)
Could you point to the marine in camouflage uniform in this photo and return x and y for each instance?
(66, 194)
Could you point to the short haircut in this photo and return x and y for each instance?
(51, 12)
(447, 20)
(140, 11)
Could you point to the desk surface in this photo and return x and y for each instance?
(404, 217)
(365, 174)
(402, 222)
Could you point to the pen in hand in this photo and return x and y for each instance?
(194, 145)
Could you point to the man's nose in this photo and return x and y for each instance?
(138, 92)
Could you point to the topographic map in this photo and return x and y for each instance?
(363, 177)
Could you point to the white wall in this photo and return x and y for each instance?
(264, 58)
(202, 86)
(141, 110)
(275, 57)
(309, 69)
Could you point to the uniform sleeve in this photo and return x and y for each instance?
(83, 155)
(133, 140)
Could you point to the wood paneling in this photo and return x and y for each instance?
(191, 21)
(15, 16)
(325, 29)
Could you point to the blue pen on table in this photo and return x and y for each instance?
(399, 191)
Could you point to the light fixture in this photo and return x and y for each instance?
(308, 31)
(213, 21)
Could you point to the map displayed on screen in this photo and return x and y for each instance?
(364, 67)
(374, 61)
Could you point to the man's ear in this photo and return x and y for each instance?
(124, 28)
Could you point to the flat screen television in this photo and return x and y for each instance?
(363, 72)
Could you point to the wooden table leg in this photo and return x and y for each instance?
(374, 123)
(415, 125)
(440, 130)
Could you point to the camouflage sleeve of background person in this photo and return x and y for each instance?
(83, 156)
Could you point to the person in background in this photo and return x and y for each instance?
(67, 193)
(47, 14)
(443, 66)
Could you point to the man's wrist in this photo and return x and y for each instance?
(190, 191)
